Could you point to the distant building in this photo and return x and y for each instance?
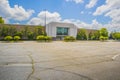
(59, 30)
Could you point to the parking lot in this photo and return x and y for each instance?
(80, 60)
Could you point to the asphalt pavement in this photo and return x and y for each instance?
(81, 60)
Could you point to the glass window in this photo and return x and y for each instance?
(62, 31)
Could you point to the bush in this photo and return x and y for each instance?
(16, 38)
(44, 38)
(102, 38)
(40, 38)
(47, 38)
(69, 38)
(8, 38)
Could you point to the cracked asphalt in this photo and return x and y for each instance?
(81, 60)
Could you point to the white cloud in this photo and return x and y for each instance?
(81, 24)
(110, 5)
(55, 17)
(76, 1)
(40, 19)
(91, 4)
(114, 15)
(110, 9)
(16, 13)
(94, 25)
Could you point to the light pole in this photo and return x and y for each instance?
(45, 17)
(45, 24)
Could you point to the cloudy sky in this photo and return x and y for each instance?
(92, 14)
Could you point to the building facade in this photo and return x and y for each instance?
(56, 29)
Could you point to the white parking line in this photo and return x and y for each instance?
(115, 56)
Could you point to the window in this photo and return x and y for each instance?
(62, 31)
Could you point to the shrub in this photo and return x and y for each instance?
(102, 38)
(16, 38)
(40, 38)
(47, 38)
(106, 38)
(69, 38)
(8, 38)
(44, 38)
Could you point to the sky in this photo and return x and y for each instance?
(90, 14)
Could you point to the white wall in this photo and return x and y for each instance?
(51, 28)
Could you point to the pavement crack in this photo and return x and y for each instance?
(70, 72)
(115, 56)
(33, 68)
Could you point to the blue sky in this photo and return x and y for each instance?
(67, 10)
(84, 13)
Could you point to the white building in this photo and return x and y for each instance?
(57, 29)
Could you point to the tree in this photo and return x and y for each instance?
(18, 33)
(1, 20)
(116, 35)
(90, 35)
(25, 32)
(97, 35)
(30, 35)
(40, 30)
(11, 30)
(103, 34)
(4, 31)
(94, 35)
(81, 35)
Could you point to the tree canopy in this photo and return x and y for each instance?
(116, 35)
(1, 20)
(81, 35)
(103, 32)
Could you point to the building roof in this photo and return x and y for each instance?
(60, 23)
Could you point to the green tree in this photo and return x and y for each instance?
(40, 30)
(25, 32)
(97, 34)
(11, 30)
(103, 34)
(1, 20)
(91, 36)
(30, 35)
(4, 31)
(19, 33)
(81, 35)
(116, 35)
